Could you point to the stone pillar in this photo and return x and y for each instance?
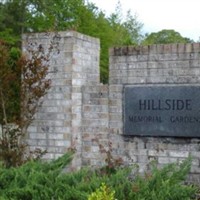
(74, 62)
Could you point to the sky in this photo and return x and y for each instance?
(182, 16)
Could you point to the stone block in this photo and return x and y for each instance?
(48, 156)
(42, 143)
(31, 129)
(142, 159)
(179, 154)
(167, 160)
(32, 142)
(57, 136)
(195, 169)
(157, 151)
(62, 143)
(37, 136)
(196, 47)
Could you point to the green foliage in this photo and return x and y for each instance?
(9, 83)
(33, 180)
(22, 85)
(103, 193)
(12, 20)
(8, 36)
(164, 184)
(10, 150)
(165, 37)
(19, 16)
(42, 180)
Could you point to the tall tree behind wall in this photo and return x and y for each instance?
(9, 84)
(165, 36)
(19, 16)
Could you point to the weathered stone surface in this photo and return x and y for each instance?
(162, 110)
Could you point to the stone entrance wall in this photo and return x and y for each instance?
(80, 112)
(152, 65)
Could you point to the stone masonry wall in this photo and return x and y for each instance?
(74, 63)
(79, 112)
(95, 124)
(156, 64)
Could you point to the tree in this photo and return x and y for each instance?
(165, 37)
(23, 83)
(133, 28)
(19, 16)
(12, 18)
(9, 84)
(127, 30)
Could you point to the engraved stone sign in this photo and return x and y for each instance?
(162, 110)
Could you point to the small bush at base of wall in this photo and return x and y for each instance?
(102, 193)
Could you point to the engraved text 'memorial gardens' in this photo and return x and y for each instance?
(162, 111)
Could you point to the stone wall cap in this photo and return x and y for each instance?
(62, 34)
(155, 49)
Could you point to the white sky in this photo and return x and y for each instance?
(181, 15)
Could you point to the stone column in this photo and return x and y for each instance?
(74, 62)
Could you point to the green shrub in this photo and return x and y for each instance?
(164, 184)
(41, 180)
(33, 180)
